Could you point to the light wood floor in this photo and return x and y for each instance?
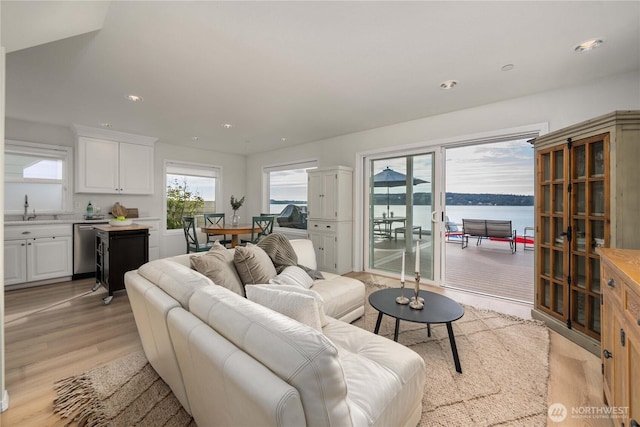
(56, 331)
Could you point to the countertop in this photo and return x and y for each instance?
(111, 228)
(73, 221)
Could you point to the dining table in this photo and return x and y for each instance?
(233, 230)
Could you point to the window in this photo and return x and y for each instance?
(39, 172)
(190, 191)
(287, 193)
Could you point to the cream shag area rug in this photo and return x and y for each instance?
(505, 367)
(504, 381)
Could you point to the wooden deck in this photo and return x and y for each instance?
(488, 269)
(491, 269)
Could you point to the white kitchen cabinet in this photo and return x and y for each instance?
(38, 252)
(15, 262)
(49, 258)
(330, 194)
(113, 162)
(332, 243)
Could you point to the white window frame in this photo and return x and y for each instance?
(59, 152)
(188, 168)
(266, 170)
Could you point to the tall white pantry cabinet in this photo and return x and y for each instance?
(330, 217)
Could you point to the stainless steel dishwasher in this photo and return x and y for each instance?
(84, 250)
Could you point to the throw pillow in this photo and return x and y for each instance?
(300, 307)
(217, 264)
(253, 264)
(279, 249)
(293, 275)
(309, 292)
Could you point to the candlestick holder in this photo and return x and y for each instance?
(402, 299)
(417, 302)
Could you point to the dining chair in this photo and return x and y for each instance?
(264, 224)
(191, 236)
(216, 219)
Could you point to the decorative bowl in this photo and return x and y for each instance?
(120, 223)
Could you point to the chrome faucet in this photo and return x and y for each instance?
(26, 216)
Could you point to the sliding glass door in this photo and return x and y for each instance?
(401, 215)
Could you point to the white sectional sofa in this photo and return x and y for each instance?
(233, 362)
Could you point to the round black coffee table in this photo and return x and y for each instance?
(437, 309)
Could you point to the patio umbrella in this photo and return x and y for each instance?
(390, 178)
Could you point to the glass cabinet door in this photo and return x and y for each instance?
(589, 208)
(552, 271)
(573, 212)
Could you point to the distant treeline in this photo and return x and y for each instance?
(452, 199)
(459, 199)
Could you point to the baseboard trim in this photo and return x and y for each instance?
(4, 403)
(590, 344)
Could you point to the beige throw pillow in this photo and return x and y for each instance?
(217, 264)
(298, 306)
(253, 264)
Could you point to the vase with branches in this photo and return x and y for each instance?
(235, 205)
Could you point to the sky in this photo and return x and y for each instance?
(498, 168)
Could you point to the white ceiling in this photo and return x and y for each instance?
(304, 71)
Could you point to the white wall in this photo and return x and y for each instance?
(558, 108)
(171, 243)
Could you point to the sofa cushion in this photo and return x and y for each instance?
(280, 251)
(341, 294)
(294, 276)
(253, 264)
(295, 305)
(399, 374)
(175, 279)
(300, 355)
(217, 264)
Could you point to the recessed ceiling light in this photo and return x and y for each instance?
(196, 138)
(588, 45)
(508, 67)
(448, 84)
(135, 98)
(227, 125)
(106, 125)
(283, 139)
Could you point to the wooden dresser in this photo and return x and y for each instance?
(620, 277)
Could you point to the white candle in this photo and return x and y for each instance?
(402, 272)
(417, 256)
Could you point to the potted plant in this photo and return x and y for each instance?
(235, 205)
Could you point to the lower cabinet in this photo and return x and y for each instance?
(154, 236)
(40, 253)
(620, 275)
(333, 245)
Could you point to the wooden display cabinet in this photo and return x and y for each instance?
(586, 198)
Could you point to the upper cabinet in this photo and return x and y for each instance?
(113, 162)
(329, 194)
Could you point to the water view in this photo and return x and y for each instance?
(520, 216)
